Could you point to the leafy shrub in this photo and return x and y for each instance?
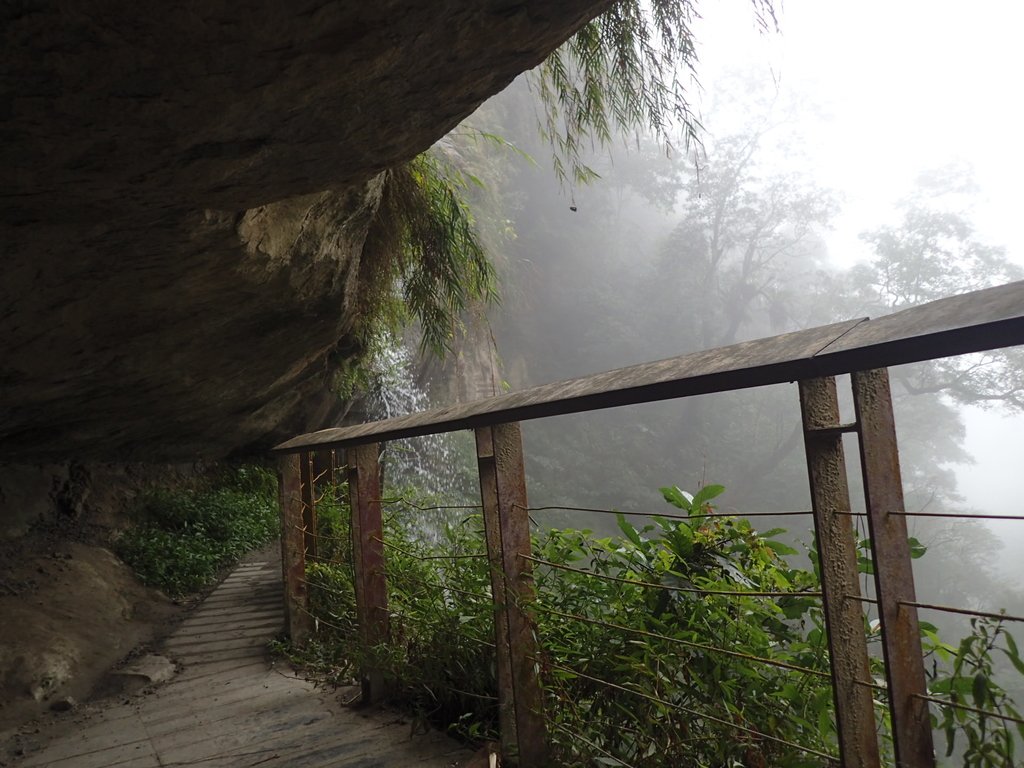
(694, 689)
(181, 539)
(439, 661)
(968, 677)
(700, 676)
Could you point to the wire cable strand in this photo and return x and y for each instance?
(324, 536)
(668, 516)
(321, 620)
(1001, 616)
(463, 635)
(694, 712)
(957, 705)
(421, 507)
(591, 744)
(957, 516)
(686, 643)
(964, 611)
(453, 689)
(669, 587)
(327, 588)
(407, 553)
(395, 578)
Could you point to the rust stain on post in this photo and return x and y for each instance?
(368, 560)
(293, 555)
(830, 497)
(894, 575)
(507, 531)
(308, 502)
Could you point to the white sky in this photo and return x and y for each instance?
(907, 85)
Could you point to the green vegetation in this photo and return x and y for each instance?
(629, 72)
(693, 704)
(707, 669)
(621, 74)
(422, 259)
(969, 678)
(182, 539)
(424, 262)
(745, 258)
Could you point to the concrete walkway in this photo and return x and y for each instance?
(229, 707)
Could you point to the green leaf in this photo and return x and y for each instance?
(964, 651)
(917, 549)
(824, 723)
(979, 689)
(706, 494)
(1011, 710)
(945, 651)
(1012, 654)
(961, 686)
(779, 548)
(677, 498)
(628, 530)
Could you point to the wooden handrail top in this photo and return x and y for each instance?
(972, 322)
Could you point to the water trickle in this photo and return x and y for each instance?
(436, 468)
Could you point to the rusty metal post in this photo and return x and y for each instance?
(492, 534)
(833, 531)
(507, 530)
(894, 575)
(293, 551)
(368, 561)
(337, 459)
(308, 493)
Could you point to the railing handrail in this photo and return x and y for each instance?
(971, 322)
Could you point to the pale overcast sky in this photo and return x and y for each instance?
(906, 85)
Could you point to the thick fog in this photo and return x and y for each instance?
(862, 160)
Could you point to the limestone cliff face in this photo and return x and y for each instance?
(186, 190)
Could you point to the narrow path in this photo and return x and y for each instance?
(230, 708)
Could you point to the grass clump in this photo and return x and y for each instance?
(182, 539)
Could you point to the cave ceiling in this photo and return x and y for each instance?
(186, 187)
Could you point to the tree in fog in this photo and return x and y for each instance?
(934, 252)
(724, 272)
(730, 270)
(745, 258)
(741, 237)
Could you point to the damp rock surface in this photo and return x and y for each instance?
(186, 192)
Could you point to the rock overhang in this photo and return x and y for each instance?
(186, 189)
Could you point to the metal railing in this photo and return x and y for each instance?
(973, 322)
